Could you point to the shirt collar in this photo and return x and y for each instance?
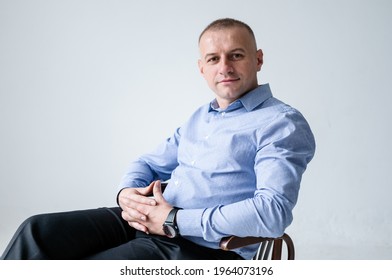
(249, 101)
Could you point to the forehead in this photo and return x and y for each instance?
(226, 39)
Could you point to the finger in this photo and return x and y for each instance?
(140, 227)
(132, 215)
(150, 187)
(130, 197)
(157, 191)
(139, 209)
(142, 200)
(147, 190)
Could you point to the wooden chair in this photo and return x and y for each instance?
(266, 246)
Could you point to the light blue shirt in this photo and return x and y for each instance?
(235, 171)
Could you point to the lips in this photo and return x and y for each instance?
(229, 80)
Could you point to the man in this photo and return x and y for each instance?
(233, 169)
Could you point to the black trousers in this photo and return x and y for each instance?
(98, 234)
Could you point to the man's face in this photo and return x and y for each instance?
(229, 62)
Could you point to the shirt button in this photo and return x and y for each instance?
(223, 114)
(206, 137)
(176, 182)
(193, 162)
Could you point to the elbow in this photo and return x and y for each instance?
(279, 217)
(279, 229)
(275, 229)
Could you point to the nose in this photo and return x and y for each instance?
(225, 67)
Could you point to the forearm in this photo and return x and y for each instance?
(259, 216)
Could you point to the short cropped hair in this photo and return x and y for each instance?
(226, 23)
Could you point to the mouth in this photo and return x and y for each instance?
(228, 81)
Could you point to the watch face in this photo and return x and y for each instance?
(169, 231)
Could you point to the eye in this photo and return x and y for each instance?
(212, 59)
(236, 56)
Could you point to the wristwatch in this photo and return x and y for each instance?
(170, 226)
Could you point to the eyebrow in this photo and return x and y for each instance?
(233, 50)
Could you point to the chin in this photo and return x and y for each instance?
(232, 95)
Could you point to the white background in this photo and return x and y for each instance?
(87, 86)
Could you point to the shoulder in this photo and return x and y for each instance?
(285, 123)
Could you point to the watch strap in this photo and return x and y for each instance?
(171, 217)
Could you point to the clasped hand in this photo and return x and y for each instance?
(145, 213)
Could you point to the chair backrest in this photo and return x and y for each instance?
(275, 245)
(269, 248)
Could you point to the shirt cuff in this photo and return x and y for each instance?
(189, 222)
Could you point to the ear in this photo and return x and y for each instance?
(259, 57)
(200, 64)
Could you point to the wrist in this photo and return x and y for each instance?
(170, 227)
(118, 196)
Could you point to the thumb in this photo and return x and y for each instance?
(157, 191)
(146, 190)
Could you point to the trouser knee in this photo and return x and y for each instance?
(33, 222)
(23, 244)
